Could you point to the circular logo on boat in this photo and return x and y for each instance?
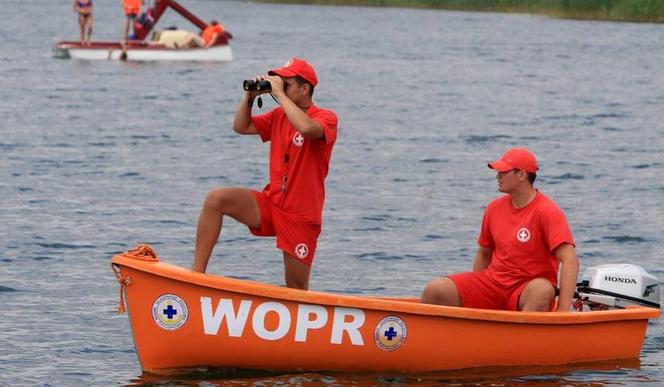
(390, 333)
(170, 312)
(523, 235)
(298, 139)
(301, 250)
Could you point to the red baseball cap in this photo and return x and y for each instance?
(515, 158)
(295, 67)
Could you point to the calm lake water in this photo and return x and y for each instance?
(96, 157)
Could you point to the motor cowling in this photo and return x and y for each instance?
(618, 286)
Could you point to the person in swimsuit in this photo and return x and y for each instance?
(84, 9)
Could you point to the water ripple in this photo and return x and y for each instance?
(433, 160)
(485, 139)
(377, 256)
(627, 239)
(569, 176)
(57, 245)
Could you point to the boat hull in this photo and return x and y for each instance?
(141, 52)
(181, 319)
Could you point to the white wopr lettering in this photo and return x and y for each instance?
(340, 325)
(258, 321)
(309, 317)
(212, 321)
(303, 323)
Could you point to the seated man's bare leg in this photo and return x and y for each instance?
(537, 296)
(441, 291)
(296, 272)
(238, 203)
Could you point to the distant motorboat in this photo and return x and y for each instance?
(140, 49)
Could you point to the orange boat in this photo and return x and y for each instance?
(183, 319)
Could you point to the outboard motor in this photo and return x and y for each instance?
(618, 286)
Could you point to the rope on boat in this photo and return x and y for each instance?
(123, 281)
(144, 252)
(141, 252)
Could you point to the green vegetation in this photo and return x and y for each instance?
(617, 10)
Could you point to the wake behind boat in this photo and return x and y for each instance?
(164, 45)
(183, 319)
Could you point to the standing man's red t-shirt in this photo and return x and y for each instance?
(298, 165)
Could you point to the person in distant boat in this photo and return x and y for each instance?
(131, 10)
(211, 33)
(290, 206)
(523, 240)
(179, 39)
(84, 9)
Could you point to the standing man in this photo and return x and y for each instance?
(290, 206)
(523, 240)
(131, 10)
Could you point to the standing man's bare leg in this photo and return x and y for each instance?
(126, 31)
(296, 273)
(238, 203)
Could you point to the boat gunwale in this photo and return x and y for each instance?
(387, 304)
(107, 45)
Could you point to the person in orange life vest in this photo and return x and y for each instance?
(211, 32)
(290, 207)
(84, 9)
(523, 240)
(131, 10)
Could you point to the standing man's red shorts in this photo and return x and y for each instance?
(295, 236)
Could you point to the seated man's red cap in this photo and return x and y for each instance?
(295, 67)
(516, 158)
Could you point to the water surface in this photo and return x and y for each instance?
(96, 157)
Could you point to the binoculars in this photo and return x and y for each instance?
(254, 85)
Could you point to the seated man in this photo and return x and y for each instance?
(523, 239)
(187, 39)
(179, 39)
(211, 33)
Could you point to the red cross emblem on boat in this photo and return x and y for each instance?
(523, 235)
(170, 312)
(301, 250)
(390, 333)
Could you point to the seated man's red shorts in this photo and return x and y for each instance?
(295, 236)
(479, 290)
